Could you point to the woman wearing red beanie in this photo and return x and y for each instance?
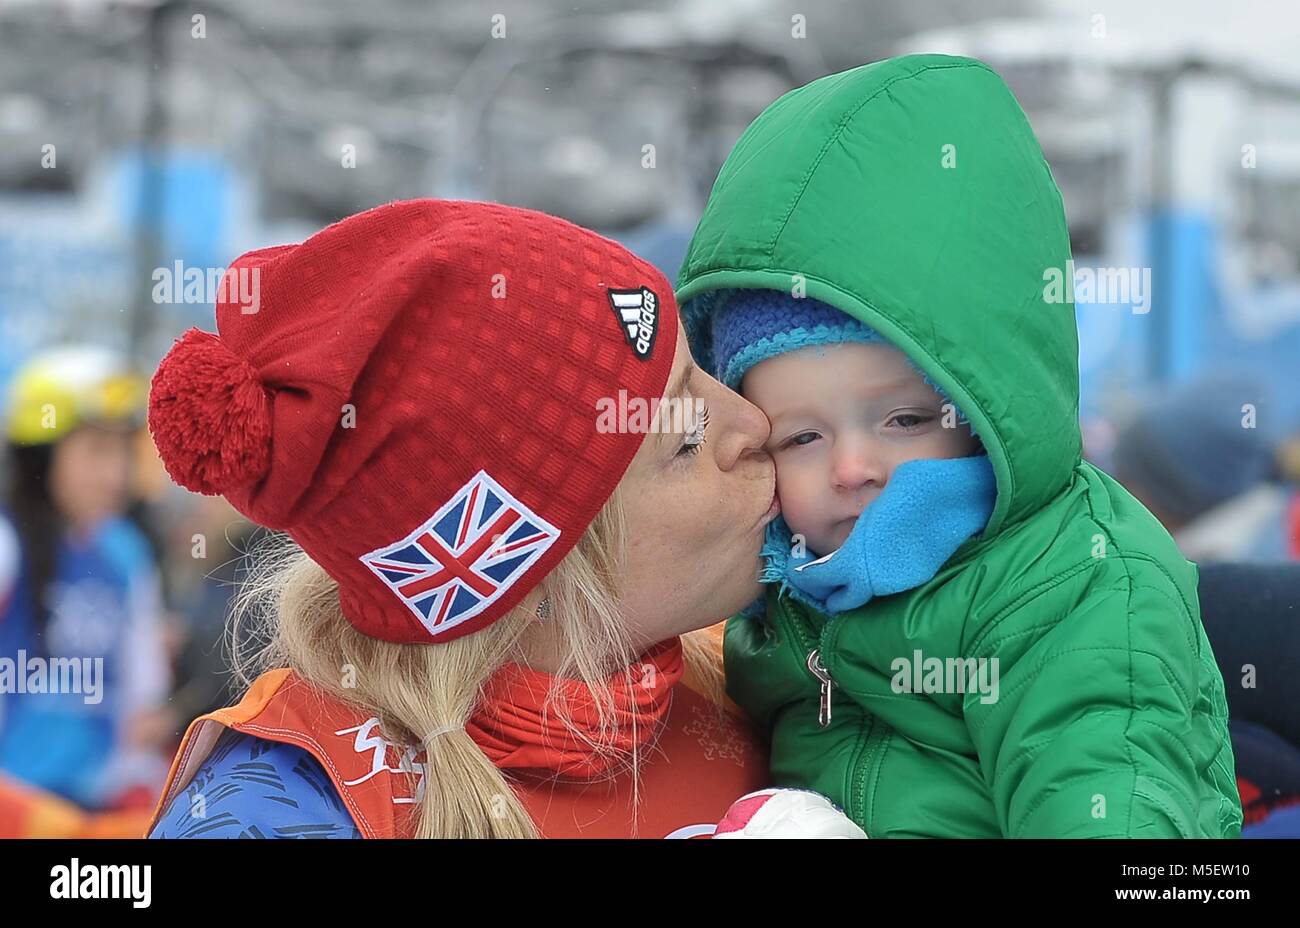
(491, 557)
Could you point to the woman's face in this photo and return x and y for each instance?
(90, 474)
(698, 496)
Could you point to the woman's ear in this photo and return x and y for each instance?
(538, 603)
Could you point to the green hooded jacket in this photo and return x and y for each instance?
(912, 194)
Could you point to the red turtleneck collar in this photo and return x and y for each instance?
(517, 731)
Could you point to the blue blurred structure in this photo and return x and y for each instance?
(70, 268)
(1146, 141)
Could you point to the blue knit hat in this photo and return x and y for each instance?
(750, 326)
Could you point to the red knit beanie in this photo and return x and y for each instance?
(411, 394)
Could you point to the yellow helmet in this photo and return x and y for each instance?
(61, 388)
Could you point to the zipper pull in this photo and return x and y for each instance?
(818, 670)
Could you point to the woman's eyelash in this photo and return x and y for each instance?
(696, 437)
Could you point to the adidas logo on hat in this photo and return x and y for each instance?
(638, 312)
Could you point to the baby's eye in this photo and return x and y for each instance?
(803, 438)
(910, 420)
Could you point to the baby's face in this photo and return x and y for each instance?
(843, 417)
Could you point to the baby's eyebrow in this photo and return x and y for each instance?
(904, 383)
(799, 410)
(786, 419)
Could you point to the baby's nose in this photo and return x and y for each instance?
(857, 466)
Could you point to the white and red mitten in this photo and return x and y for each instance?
(786, 813)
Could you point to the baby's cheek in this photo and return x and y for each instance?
(953, 443)
(800, 492)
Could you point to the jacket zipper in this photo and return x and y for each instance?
(811, 641)
(807, 639)
(818, 670)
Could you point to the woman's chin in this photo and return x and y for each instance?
(740, 598)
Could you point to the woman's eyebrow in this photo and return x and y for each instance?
(683, 381)
(675, 392)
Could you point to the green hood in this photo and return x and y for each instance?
(912, 194)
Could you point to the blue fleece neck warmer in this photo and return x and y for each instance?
(927, 510)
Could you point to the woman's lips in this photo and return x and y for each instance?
(773, 510)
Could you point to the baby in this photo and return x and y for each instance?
(969, 631)
(847, 411)
(843, 417)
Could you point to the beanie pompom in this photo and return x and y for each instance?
(210, 416)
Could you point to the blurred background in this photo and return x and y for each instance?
(143, 141)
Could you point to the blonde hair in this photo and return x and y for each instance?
(287, 615)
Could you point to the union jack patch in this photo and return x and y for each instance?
(465, 556)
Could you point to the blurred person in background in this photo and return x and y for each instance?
(1219, 484)
(1288, 457)
(1201, 464)
(210, 540)
(78, 583)
(1252, 618)
(199, 545)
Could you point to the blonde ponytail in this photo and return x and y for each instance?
(288, 615)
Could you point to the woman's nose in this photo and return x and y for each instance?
(747, 431)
